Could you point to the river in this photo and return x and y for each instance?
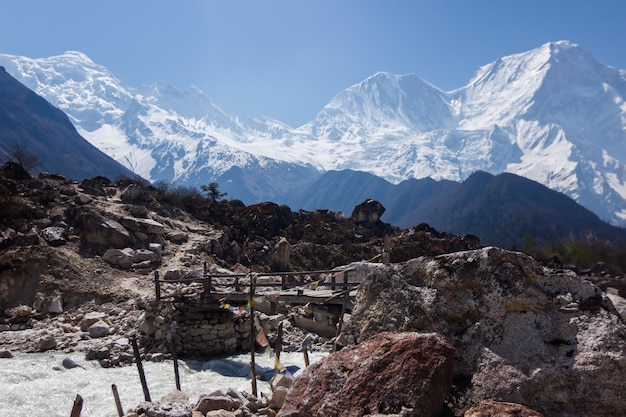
(37, 384)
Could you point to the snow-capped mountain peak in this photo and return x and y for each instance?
(553, 114)
(387, 100)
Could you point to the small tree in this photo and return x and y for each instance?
(212, 191)
(27, 160)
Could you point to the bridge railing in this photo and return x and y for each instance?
(210, 281)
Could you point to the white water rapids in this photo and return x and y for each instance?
(38, 384)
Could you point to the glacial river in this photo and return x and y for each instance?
(38, 384)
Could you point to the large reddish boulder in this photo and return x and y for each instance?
(388, 374)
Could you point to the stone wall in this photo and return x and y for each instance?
(194, 334)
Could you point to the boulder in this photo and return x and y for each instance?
(46, 343)
(392, 372)
(619, 303)
(147, 226)
(368, 211)
(175, 396)
(54, 236)
(91, 318)
(141, 255)
(14, 171)
(523, 333)
(99, 329)
(122, 258)
(69, 363)
(278, 397)
(102, 231)
(96, 186)
(135, 193)
(139, 211)
(98, 353)
(208, 403)
(56, 304)
(19, 314)
(279, 256)
(177, 236)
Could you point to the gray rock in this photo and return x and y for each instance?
(210, 403)
(103, 231)
(6, 354)
(122, 258)
(46, 343)
(523, 333)
(619, 303)
(91, 318)
(69, 363)
(141, 255)
(148, 226)
(99, 329)
(55, 236)
(56, 305)
(279, 255)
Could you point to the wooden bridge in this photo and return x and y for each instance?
(321, 287)
(329, 293)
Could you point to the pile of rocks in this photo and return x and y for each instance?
(220, 403)
(102, 332)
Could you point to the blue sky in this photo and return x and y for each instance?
(287, 58)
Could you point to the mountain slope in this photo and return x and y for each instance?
(30, 122)
(499, 209)
(502, 209)
(553, 114)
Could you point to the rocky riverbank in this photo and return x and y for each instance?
(499, 333)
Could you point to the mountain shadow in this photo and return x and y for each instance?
(501, 210)
(30, 122)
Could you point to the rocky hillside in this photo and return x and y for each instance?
(102, 240)
(446, 328)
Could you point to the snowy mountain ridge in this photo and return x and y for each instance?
(553, 114)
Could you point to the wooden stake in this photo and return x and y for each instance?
(305, 353)
(77, 407)
(118, 404)
(278, 347)
(175, 360)
(340, 324)
(252, 337)
(142, 375)
(157, 286)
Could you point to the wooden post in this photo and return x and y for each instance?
(340, 324)
(118, 404)
(332, 281)
(157, 285)
(252, 336)
(175, 360)
(278, 347)
(77, 407)
(142, 375)
(305, 353)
